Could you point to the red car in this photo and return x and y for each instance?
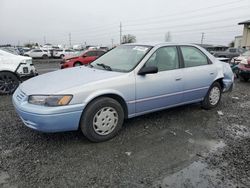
(85, 58)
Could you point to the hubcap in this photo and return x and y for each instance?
(7, 84)
(105, 121)
(214, 95)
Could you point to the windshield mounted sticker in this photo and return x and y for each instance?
(140, 48)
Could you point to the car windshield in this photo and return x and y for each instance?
(247, 53)
(121, 59)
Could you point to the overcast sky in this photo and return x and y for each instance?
(97, 21)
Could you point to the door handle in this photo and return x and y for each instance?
(211, 73)
(178, 79)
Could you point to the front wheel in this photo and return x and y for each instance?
(102, 119)
(213, 96)
(8, 83)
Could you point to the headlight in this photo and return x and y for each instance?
(25, 61)
(50, 100)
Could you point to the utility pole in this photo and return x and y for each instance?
(120, 32)
(112, 42)
(70, 40)
(202, 37)
(44, 40)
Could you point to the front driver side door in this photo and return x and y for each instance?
(162, 89)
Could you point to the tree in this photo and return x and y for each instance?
(128, 39)
(231, 44)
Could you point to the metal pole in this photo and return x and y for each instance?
(202, 37)
(120, 32)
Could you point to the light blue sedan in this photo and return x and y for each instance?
(128, 81)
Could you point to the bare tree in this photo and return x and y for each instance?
(128, 39)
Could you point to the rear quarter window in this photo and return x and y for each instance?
(193, 57)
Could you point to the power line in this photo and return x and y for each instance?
(184, 12)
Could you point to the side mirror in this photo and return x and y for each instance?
(148, 70)
(84, 55)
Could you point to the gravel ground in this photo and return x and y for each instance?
(181, 147)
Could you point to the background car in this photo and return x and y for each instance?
(126, 82)
(230, 53)
(38, 53)
(85, 58)
(61, 53)
(13, 69)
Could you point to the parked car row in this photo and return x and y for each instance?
(241, 66)
(13, 70)
(229, 53)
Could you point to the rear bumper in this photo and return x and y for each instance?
(244, 73)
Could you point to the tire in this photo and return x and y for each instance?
(98, 128)
(243, 79)
(77, 64)
(213, 96)
(8, 83)
(45, 56)
(61, 56)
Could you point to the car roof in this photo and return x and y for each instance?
(159, 44)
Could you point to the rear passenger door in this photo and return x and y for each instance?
(198, 73)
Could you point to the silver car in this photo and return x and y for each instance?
(128, 81)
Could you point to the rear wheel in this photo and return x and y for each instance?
(244, 79)
(45, 56)
(8, 83)
(61, 56)
(213, 96)
(102, 119)
(77, 64)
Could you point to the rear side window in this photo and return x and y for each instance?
(37, 51)
(193, 57)
(100, 53)
(232, 50)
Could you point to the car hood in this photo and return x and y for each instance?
(58, 81)
(70, 57)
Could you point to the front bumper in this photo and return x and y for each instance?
(47, 119)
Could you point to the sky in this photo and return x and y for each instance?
(97, 22)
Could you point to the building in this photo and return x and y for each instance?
(246, 34)
(237, 41)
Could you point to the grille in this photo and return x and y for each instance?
(21, 96)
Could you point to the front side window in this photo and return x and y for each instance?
(123, 58)
(193, 57)
(165, 58)
(91, 53)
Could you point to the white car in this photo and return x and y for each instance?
(13, 70)
(63, 52)
(38, 53)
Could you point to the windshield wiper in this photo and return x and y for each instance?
(104, 66)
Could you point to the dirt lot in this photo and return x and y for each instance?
(181, 147)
